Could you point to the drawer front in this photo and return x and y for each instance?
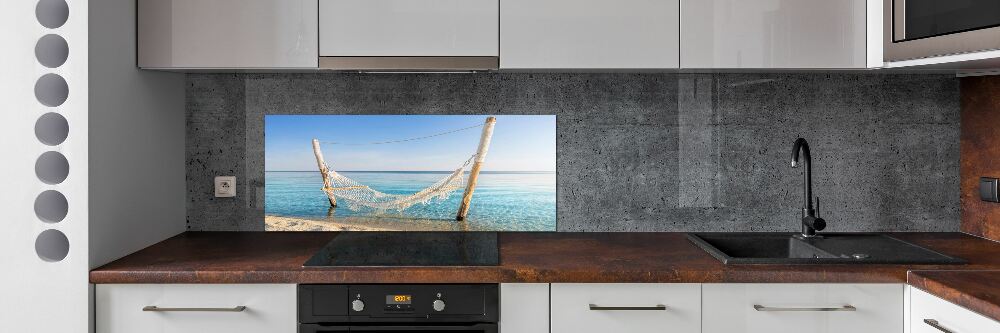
(633, 308)
(362, 28)
(947, 316)
(269, 308)
(803, 308)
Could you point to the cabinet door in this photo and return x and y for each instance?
(773, 34)
(626, 307)
(524, 307)
(270, 308)
(586, 34)
(426, 28)
(927, 310)
(803, 308)
(227, 34)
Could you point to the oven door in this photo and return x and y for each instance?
(916, 29)
(471, 328)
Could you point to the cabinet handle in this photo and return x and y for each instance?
(595, 307)
(934, 323)
(768, 308)
(159, 309)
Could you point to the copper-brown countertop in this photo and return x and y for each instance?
(277, 257)
(978, 291)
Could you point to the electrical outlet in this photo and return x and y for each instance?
(988, 189)
(225, 186)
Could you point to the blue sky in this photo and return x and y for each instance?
(520, 143)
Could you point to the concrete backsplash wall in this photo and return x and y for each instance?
(637, 152)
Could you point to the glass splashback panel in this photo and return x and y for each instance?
(409, 173)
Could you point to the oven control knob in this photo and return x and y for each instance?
(438, 305)
(358, 305)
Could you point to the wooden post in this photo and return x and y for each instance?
(484, 146)
(326, 173)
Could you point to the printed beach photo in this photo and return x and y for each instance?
(409, 173)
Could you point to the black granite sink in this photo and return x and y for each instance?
(833, 248)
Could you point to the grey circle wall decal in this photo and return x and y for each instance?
(51, 90)
(51, 206)
(52, 167)
(52, 245)
(52, 13)
(51, 128)
(51, 51)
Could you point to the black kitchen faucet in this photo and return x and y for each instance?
(810, 222)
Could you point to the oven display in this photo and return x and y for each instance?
(398, 299)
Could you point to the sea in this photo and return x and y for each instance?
(502, 201)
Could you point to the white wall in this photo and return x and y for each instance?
(137, 187)
(136, 139)
(38, 295)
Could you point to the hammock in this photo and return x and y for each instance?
(358, 195)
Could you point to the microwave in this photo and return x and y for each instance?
(915, 29)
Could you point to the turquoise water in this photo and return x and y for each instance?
(504, 201)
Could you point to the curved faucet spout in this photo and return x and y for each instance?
(802, 146)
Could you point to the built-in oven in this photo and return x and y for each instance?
(916, 29)
(377, 308)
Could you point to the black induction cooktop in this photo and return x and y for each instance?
(407, 248)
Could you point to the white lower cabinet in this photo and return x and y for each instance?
(524, 307)
(627, 307)
(188, 308)
(569, 308)
(930, 314)
(803, 308)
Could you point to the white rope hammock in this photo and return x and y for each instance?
(358, 196)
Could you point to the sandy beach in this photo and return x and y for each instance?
(360, 223)
(507, 201)
(281, 223)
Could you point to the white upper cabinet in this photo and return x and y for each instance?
(779, 34)
(522, 34)
(589, 34)
(195, 34)
(409, 28)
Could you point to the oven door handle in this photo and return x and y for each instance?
(313, 328)
(322, 329)
(485, 328)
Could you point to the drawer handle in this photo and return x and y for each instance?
(934, 323)
(769, 308)
(595, 307)
(159, 309)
